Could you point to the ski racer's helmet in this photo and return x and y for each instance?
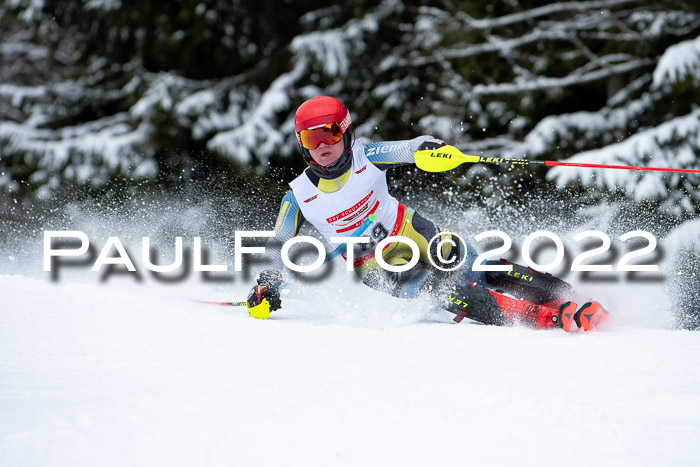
(326, 119)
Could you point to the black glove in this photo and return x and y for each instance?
(268, 287)
(431, 144)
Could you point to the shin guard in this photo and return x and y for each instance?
(475, 303)
(491, 307)
(528, 284)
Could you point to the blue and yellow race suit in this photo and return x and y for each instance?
(422, 277)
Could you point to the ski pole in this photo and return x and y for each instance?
(448, 157)
(206, 302)
(360, 230)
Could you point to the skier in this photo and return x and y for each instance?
(345, 184)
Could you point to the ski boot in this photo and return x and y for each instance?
(536, 315)
(590, 316)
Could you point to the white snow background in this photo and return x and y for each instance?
(125, 373)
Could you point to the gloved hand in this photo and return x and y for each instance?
(431, 144)
(265, 297)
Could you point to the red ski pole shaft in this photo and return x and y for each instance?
(206, 302)
(621, 167)
(503, 160)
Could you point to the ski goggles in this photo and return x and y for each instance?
(330, 133)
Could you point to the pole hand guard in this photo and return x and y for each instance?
(265, 297)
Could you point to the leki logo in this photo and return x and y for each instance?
(517, 275)
(441, 155)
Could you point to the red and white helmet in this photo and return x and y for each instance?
(324, 119)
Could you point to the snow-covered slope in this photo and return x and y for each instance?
(116, 374)
(113, 371)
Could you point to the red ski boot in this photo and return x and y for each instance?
(567, 313)
(590, 316)
(538, 316)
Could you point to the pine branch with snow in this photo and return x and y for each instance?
(202, 83)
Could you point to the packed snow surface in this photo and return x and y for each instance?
(105, 369)
(119, 373)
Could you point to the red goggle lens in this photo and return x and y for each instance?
(329, 133)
